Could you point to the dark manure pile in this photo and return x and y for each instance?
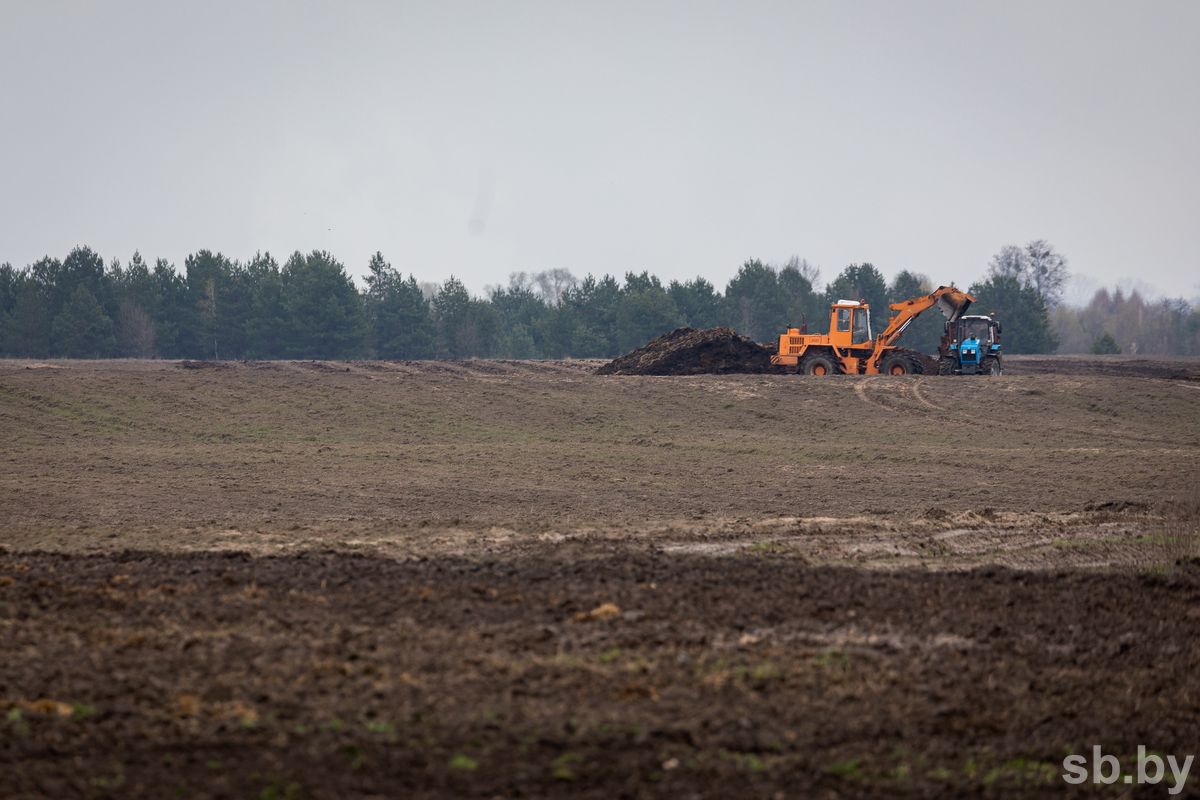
(693, 351)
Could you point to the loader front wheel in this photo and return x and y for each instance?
(896, 365)
(818, 365)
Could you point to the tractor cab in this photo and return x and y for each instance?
(985, 329)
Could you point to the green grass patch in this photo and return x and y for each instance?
(82, 711)
(1022, 771)
(278, 790)
(850, 768)
(463, 763)
(563, 767)
(747, 762)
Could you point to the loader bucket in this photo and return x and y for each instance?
(953, 305)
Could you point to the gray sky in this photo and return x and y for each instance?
(481, 138)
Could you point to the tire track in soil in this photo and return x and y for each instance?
(908, 399)
(860, 389)
(916, 391)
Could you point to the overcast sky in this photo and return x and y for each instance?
(482, 138)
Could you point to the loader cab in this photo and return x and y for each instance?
(850, 323)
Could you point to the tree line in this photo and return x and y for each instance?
(1126, 322)
(310, 307)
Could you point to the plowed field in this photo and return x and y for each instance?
(310, 579)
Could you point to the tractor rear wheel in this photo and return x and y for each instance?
(896, 365)
(818, 365)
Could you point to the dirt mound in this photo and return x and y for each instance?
(693, 351)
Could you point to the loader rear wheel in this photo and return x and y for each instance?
(896, 365)
(818, 365)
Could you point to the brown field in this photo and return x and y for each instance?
(311, 579)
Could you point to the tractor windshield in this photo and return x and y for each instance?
(981, 329)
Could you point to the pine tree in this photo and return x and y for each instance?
(925, 332)
(697, 302)
(10, 282)
(25, 330)
(398, 316)
(208, 329)
(802, 305)
(1105, 344)
(753, 302)
(82, 329)
(1021, 310)
(265, 327)
(322, 310)
(644, 311)
(862, 282)
(452, 312)
(585, 325)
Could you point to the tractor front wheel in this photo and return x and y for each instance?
(818, 365)
(992, 367)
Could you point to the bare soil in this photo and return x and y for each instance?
(1180, 369)
(111, 455)
(486, 578)
(591, 672)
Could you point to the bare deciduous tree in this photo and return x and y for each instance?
(429, 289)
(553, 284)
(810, 272)
(1047, 270)
(135, 331)
(520, 282)
(1009, 263)
(1036, 265)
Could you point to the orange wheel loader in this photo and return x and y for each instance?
(849, 347)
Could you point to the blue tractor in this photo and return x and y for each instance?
(971, 346)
